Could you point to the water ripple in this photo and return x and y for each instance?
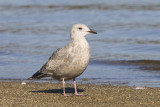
(151, 65)
(109, 7)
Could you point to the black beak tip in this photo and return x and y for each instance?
(92, 31)
(95, 32)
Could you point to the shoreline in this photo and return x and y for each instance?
(49, 94)
(88, 81)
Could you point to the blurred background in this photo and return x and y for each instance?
(126, 50)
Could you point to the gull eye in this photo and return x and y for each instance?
(80, 28)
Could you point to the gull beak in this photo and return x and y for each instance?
(92, 31)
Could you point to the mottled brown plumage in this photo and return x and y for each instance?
(70, 61)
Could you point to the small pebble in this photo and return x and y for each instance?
(139, 88)
(23, 83)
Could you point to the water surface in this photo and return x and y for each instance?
(124, 52)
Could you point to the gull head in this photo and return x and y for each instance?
(80, 30)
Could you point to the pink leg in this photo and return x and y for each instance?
(75, 88)
(64, 93)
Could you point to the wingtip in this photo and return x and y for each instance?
(30, 78)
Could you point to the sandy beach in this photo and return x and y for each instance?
(14, 94)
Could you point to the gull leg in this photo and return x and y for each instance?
(64, 93)
(75, 88)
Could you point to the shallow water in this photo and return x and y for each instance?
(125, 51)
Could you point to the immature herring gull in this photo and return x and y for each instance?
(70, 61)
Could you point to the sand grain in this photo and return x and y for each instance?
(14, 94)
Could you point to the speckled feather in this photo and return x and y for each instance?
(68, 62)
(71, 60)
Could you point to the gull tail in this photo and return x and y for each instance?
(37, 75)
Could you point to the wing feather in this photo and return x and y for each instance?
(58, 58)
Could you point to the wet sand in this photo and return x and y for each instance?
(14, 94)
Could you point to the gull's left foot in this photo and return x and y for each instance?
(80, 94)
